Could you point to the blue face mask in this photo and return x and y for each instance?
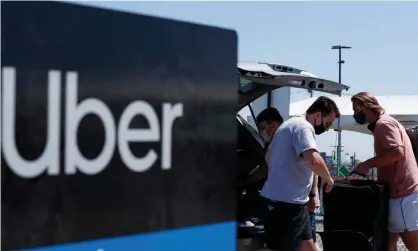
(360, 118)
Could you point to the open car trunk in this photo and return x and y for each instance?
(257, 79)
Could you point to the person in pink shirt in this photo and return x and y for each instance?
(395, 162)
(313, 205)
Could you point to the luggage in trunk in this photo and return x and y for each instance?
(356, 216)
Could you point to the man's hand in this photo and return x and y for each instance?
(362, 168)
(327, 183)
(311, 204)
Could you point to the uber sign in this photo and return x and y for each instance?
(117, 131)
(49, 160)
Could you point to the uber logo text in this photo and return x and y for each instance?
(75, 111)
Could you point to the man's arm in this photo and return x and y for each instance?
(317, 163)
(389, 136)
(314, 184)
(388, 157)
(305, 146)
(314, 195)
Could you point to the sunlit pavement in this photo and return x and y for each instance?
(257, 245)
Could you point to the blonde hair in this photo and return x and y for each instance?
(367, 100)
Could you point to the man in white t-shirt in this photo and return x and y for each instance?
(293, 159)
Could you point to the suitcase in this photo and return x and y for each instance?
(356, 216)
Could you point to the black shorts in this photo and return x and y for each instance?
(286, 225)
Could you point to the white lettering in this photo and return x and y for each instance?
(170, 113)
(126, 135)
(49, 160)
(74, 113)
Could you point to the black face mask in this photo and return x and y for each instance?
(320, 129)
(360, 118)
(371, 126)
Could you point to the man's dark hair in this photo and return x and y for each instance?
(324, 105)
(270, 114)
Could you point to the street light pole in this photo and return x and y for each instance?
(340, 62)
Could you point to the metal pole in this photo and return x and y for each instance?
(340, 62)
(339, 120)
(269, 99)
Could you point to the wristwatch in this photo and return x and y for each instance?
(312, 195)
